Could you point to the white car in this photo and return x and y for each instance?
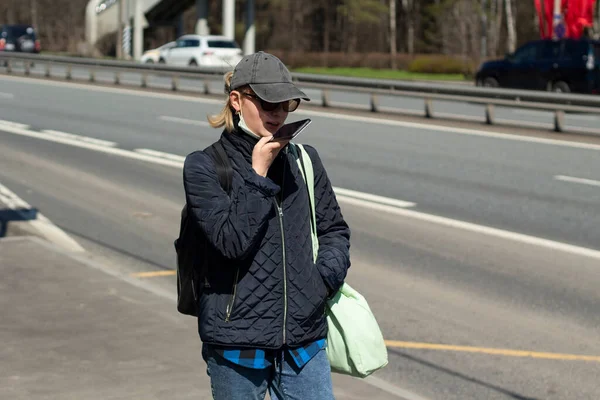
(203, 51)
(152, 56)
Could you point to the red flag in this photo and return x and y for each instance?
(545, 20)
(579, 15)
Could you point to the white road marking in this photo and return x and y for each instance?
(6, 95)
(485, 230)
(183, 120)
(90, 146)
(339, 192)
(391, 206)
(42, 224)
(573, 179)
(14, 124)
(86, 139)
(368, 120)
(160, 154)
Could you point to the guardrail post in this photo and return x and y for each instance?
(8, 67)
(325, 97)
(428, 108)
(144, 80)
(374, 103)
(27, 67)
(174, 82)
(92, 75)
(490, 114)
(69, 76)
(559, 121)
(117, 78)
(206, 87)
(47, 74)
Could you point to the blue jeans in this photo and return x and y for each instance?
(284, 380)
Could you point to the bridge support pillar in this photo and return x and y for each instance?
(229, 19)
(202, 15)
(250, 36)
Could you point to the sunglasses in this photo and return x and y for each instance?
(288, 106)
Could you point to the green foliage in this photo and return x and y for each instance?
(362, 11)
(381, 74)
(440, 64)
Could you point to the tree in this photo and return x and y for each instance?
(393, 45)
(357, 13)
(510, 24)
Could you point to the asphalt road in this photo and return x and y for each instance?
(587, 123)
(430, 281)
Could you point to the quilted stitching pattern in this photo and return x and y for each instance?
(245, 234)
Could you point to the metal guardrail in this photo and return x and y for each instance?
(559, 103)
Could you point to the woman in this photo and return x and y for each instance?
(262, 308)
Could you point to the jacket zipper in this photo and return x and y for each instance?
(230, 304)
(280, 211)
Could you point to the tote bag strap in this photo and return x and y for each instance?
(306, 168)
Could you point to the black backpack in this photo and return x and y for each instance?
(191, 243)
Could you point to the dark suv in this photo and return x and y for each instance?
(21, 38)
(566, 65)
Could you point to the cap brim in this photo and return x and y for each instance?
(278, 92)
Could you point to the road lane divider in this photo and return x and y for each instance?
(160, 154)
(183, 121)
(153, 274)
(86, 139)
(17, 130)
(481, 229)
(491, 351)
(371, 198)
(13, 124)
(41, 225)
(572, 179)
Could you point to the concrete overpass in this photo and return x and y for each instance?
(102, 17)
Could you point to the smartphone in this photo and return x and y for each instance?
(291, 130)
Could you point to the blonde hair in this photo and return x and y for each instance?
(225, 117)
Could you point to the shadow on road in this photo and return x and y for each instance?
(20, 214)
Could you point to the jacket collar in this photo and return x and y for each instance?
(241, 142)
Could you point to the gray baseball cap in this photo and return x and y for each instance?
(267, 76)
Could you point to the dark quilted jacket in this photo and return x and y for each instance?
(258, 292)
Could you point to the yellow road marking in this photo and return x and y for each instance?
(153, 274)
(484, 350)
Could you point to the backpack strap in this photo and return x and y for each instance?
(216, 151)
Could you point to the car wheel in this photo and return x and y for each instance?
(193, 63)
(162, 61)
(561, 87)
(149, 61)
(490, 82)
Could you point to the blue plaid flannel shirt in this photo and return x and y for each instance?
(259, 358)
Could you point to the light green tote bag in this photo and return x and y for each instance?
(355, 345)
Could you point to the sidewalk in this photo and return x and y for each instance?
(72, 329)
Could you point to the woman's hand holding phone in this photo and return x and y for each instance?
(264, 153)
